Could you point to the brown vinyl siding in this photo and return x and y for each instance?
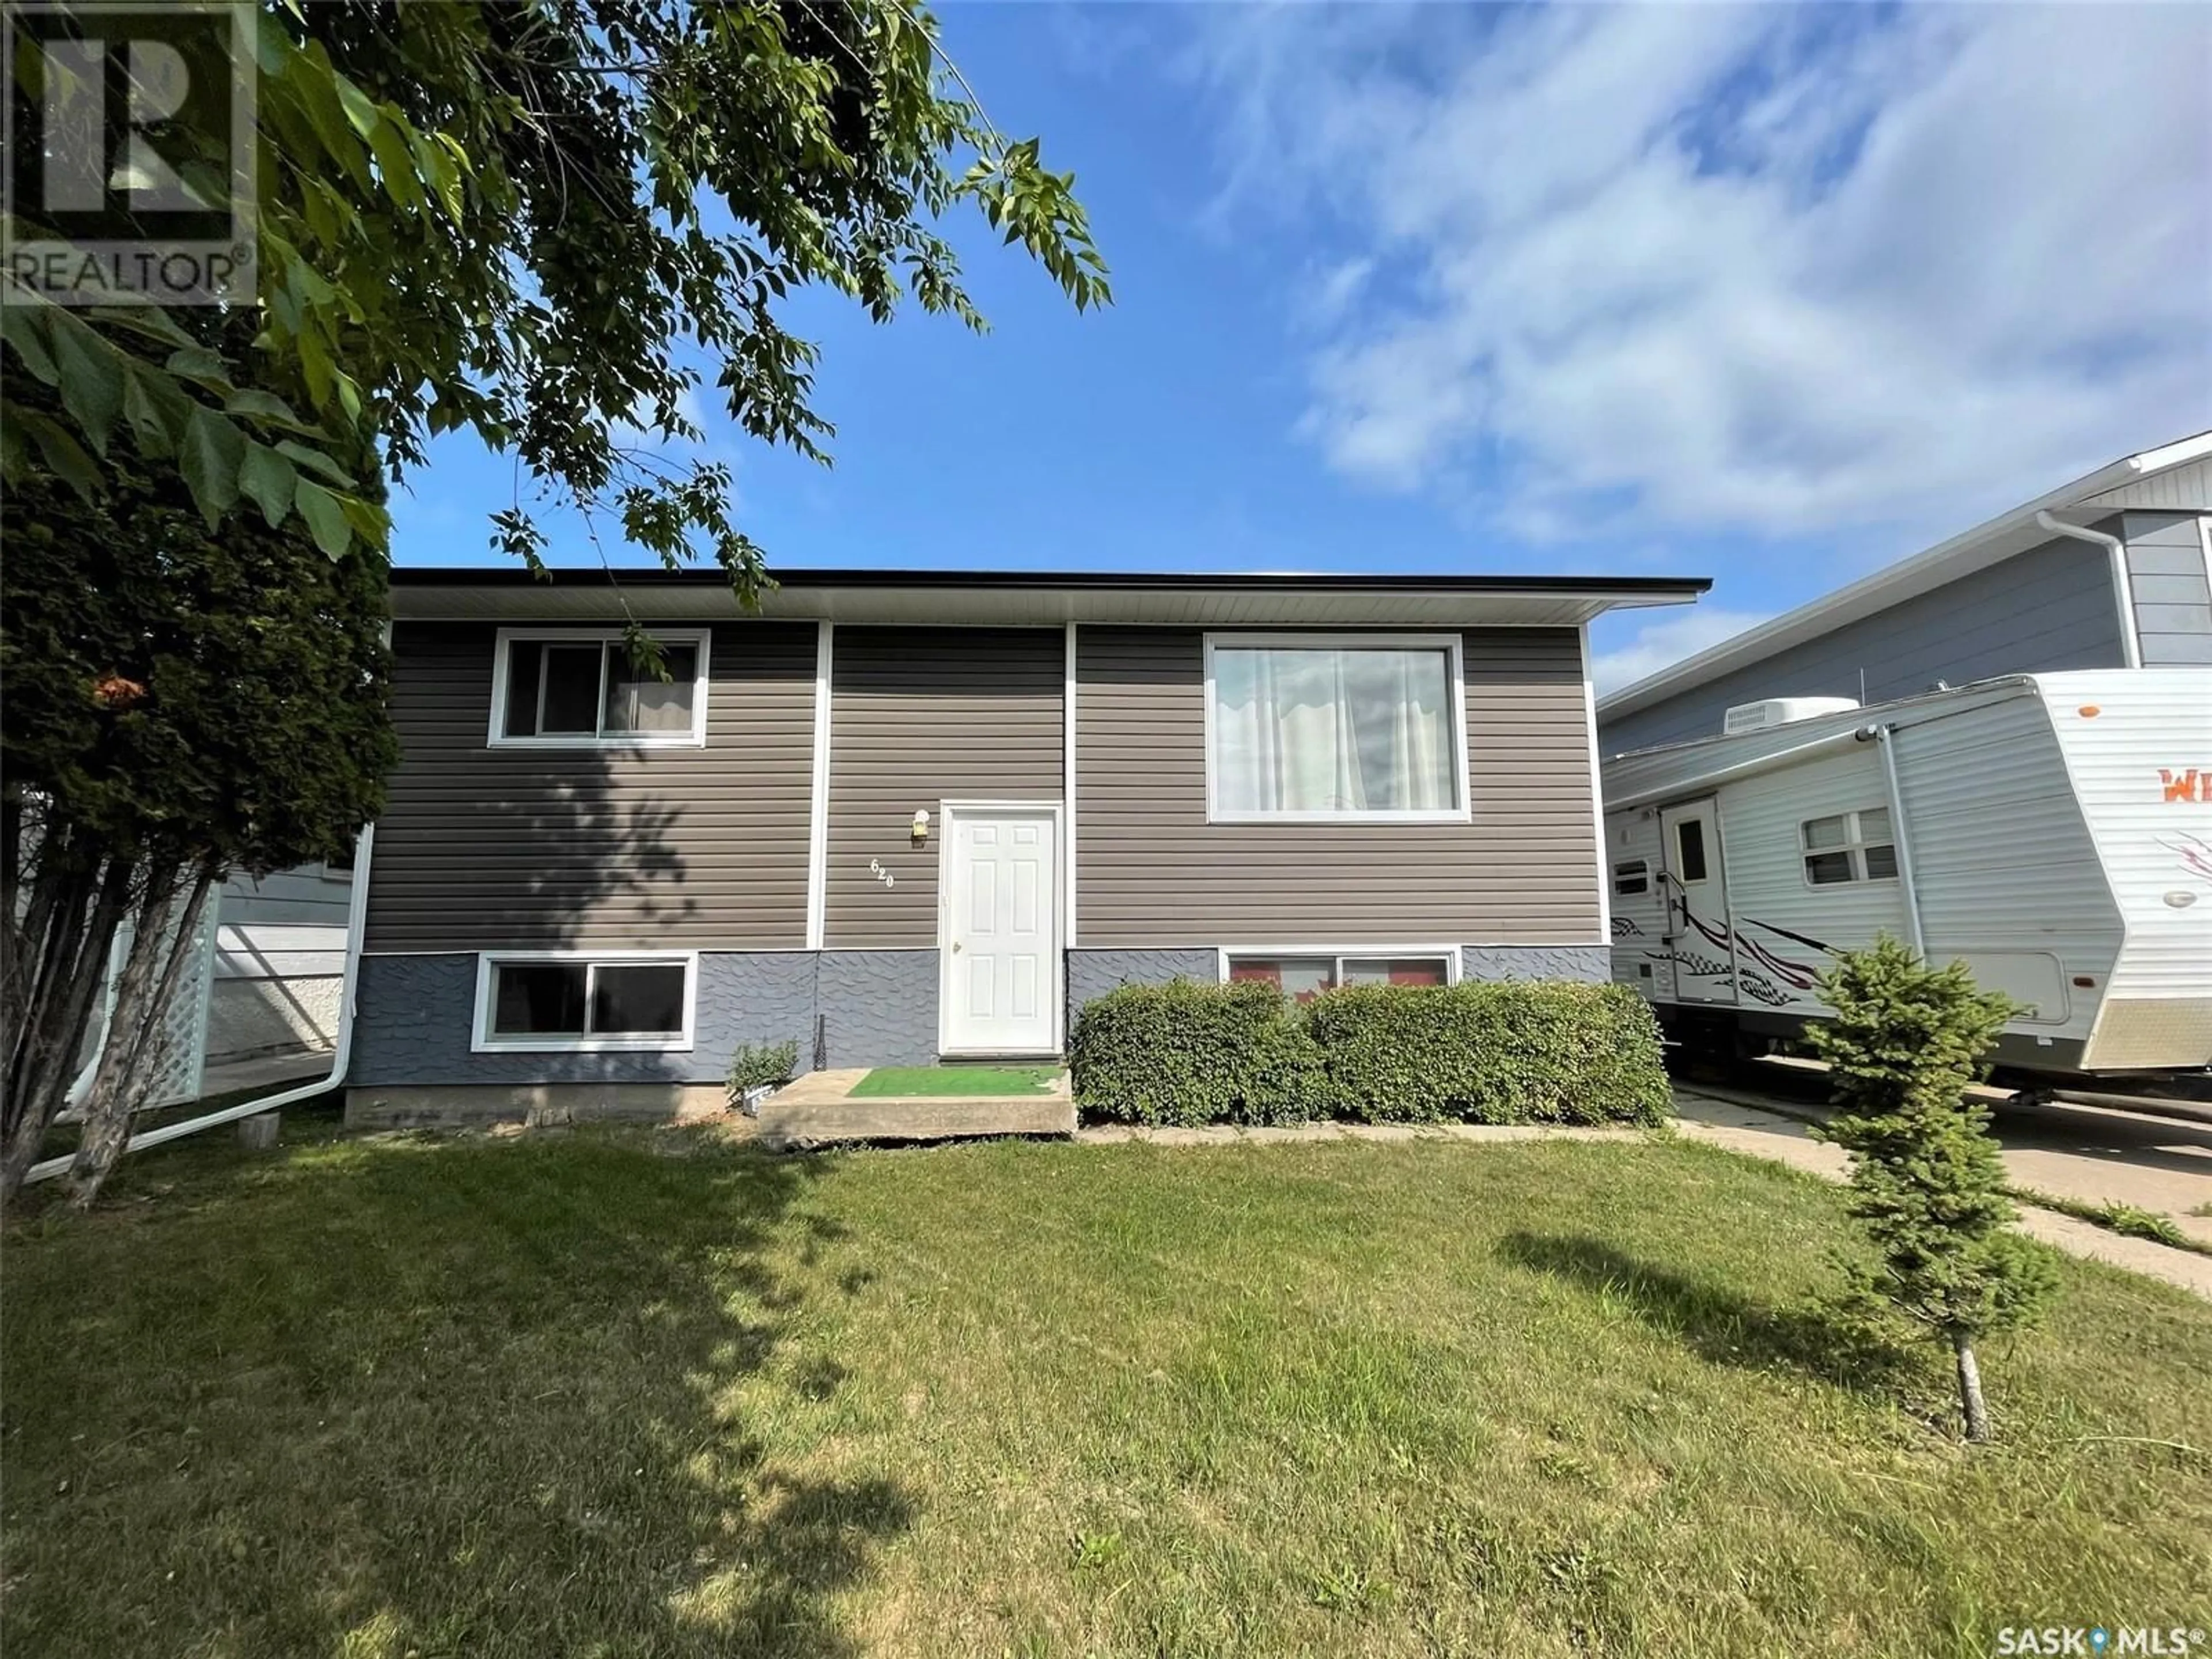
(481, 848)
(1151, 870)
(920, 716)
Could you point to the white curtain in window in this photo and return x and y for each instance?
(1303, 730)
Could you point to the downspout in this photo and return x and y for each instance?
(356, 917)
(1901, 838)
(2131, 650)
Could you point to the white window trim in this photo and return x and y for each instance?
(502, 655)
(817, 802)
(1855, 844)
(1452, 645)
(484, 1042)
(1448, 953)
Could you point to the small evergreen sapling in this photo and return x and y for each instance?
(1927, 1181)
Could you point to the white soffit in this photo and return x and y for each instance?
(2185, 488)
(1992, 542)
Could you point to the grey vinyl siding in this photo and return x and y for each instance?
(301, 897)
(2048, 609)
(1152, 872)
(2171, 587)
(481, 848)
(920, 716)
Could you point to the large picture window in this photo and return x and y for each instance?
(579, 688)
(538, 1002)
(1311, 727)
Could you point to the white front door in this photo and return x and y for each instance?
(999, 931)
(1698, 928)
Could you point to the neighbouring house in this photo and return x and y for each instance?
(263, 991)
(897, 816)
(279, 966)
(2114, 570)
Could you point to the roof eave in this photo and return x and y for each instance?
(1000, 598)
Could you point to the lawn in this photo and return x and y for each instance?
(627, 1393)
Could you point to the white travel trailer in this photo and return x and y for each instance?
(2053, 831)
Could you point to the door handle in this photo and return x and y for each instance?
(956, 947)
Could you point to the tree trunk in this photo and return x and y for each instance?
(56, 972)
(1970, 1389)
(138, 1036)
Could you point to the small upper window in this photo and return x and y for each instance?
(562, 1002)
(1847, 846)
(1311, 727)
(570, 689)
(1632, 877)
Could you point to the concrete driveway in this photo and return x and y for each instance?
(2081, 1153)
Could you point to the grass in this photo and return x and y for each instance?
(2114, 1216)
(649, 1393)
(955, 1080)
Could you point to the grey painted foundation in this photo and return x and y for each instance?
(413, 1018)
(1590, 962)
(874, 1007)
(1092, 973)
(414, 1013)
(877, 1008)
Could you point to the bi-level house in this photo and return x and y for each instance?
(896, 816)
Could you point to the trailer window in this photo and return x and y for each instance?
(1632, 877)
(1690, 849)
(1847, 846)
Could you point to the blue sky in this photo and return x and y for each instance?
(1771, 295)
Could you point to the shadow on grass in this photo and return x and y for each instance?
(549, 1396)
(1719, 1324)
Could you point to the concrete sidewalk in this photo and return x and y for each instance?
(1741, 1127)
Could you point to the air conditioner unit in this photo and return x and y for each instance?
(1780, 711)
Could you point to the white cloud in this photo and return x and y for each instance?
(1782, 270)
(1662, 644)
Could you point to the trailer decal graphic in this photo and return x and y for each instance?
(2194, 853)
(1794, 975)
(2190, 786)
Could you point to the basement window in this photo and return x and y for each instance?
(546, 1002)
(578, 688)
(1849, 846)
(1303, 975)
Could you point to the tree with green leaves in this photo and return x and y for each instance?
(181, 704)
(1928, 1183)
(551, 223)
(548, 222)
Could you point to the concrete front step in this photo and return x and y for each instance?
(789, 1124)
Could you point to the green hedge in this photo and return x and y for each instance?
(1549, 1052)
(1188, 1054)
